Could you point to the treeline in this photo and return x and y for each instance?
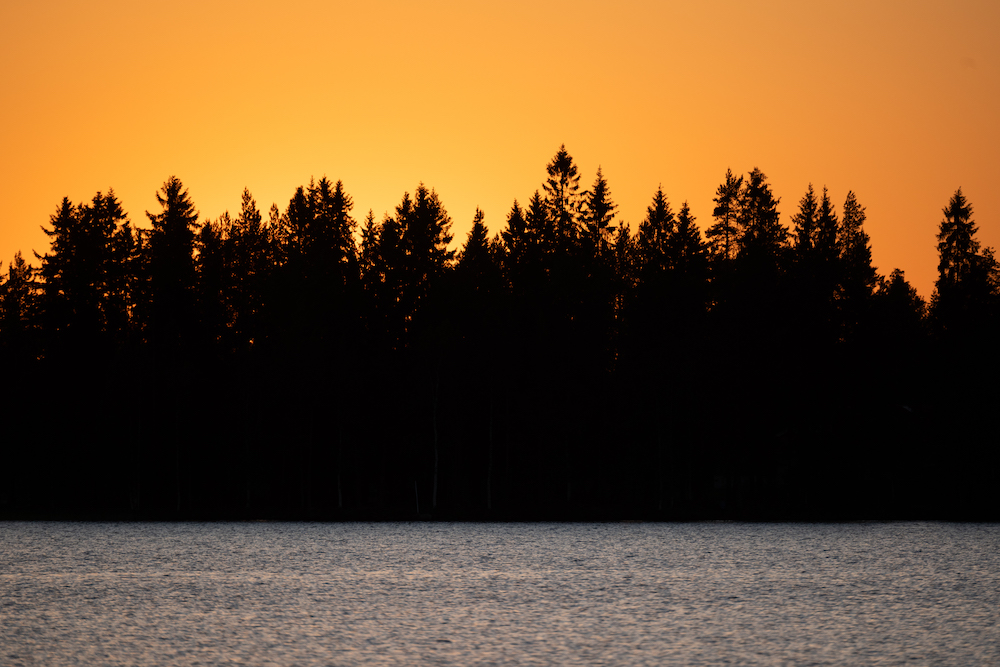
(308, 366)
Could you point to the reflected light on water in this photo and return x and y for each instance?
(519, 594)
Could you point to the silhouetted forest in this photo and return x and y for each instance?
(302, 364)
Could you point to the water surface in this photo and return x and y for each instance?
(510, 594)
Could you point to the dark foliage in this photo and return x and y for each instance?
(300, 367)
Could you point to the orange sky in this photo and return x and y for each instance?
(899, 102)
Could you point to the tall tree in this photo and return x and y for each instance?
(475, 260)
(901, 308)
(18, 298)
(426, 234)
(724, 232)
(855, 247)
(826, 230)
(515, 246)
(294, 232)
(172, 273)
(598, 212)
(369, 244)
(330, 233)
(215, 275)
(123, 282)
(79, 269)
(966, 294)
(424, 229)
(762, 236)
(384, 282)
(540, 230)
(58, 267)
(653, 237)
(687, 252)
(958, 248)
(818, 275)
(858, 277)
(563, 198)
(251, 258)
(815, 250)
(804, 225)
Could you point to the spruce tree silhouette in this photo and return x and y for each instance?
(762, 237)
(965, 303)
(252, 259)
(76, 303)
(815, 270)
(804, 227)
(563, 198)
(858, 277)
(18, 305)
(650, 316)
(597, 214)
(172, 275)
(516, 243)
(215, 274)
(723, 234)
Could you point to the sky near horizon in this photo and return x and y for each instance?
(897, 101)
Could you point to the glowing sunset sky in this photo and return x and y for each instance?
(898, 101)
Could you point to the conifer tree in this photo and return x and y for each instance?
(477, 274)
(563, 199)
(623, 259)
(687, 269)
(426, 234)
(804, 225)
(172, 274)
(58, 267)
(624, 256)
(598, 212)
(295, 225)
(123, 282)
(826, 230)
(653, 237)
(855, 247)
(18, 299)
(540, 230)
(723, 235)
(386, 281)
(250, 256)
(817, 273)
(858, 277)
(79, 269)
(958, 248)
(899, 313)
(369, 246)
(515, 245)
(331, 231)
(421, 257)
(215, 275)
(475, 258)
(687, 252)
(966, 300)
(762, 237)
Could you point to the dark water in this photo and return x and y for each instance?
(518, 594)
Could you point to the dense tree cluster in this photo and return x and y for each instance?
(304, 365)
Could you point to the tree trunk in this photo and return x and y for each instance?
(434, 399)
(489, 467)
(340, 459)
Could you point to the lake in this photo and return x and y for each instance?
(499, 594)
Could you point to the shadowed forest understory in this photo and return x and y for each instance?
(304, 365)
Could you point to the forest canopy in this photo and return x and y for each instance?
(302, 363)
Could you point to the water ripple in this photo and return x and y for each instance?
(499, 594)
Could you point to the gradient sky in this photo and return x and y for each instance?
(898, 101)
